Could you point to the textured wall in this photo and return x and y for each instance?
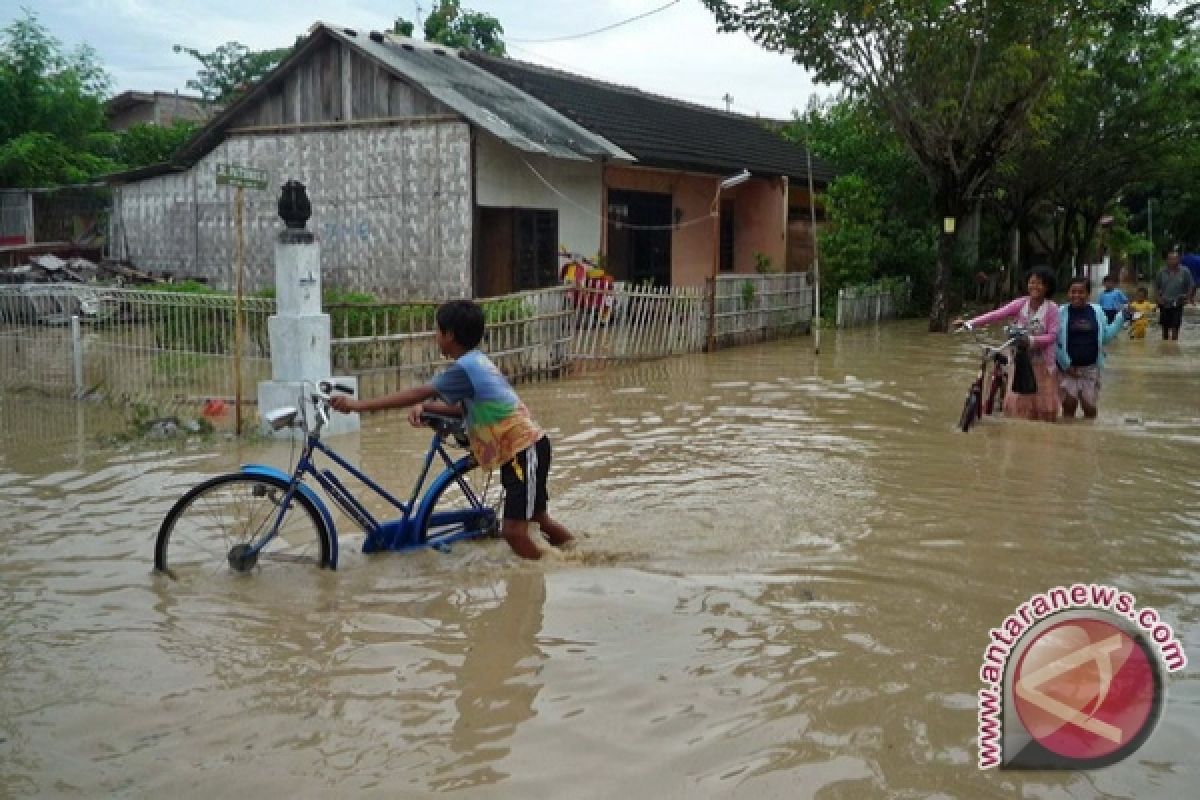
(391, 208)
(506, 180)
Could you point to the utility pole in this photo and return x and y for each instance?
(728, 98)
(816, 263)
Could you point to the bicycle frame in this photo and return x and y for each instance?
(994, 355)
(402, 533)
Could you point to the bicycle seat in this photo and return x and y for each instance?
(446, 425)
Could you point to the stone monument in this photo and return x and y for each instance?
(299, 331)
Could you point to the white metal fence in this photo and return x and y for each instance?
(173, 347)
(129, 345)
(870, 303)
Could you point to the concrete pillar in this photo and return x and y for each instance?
(299, 332)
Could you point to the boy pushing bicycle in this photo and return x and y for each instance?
(501, 431)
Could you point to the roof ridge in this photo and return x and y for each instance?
(633, 90)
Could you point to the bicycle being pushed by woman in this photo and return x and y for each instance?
(261, 514)
(996, 357)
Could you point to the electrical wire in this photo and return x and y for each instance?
(571, 36)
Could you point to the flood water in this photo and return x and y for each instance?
(788, 568)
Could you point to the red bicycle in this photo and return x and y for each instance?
(975, 406)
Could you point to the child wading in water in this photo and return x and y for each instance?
(1083, 330)
(501, 431)
(1140, 305)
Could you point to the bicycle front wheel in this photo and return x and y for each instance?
(970, 412)
(468, 506)
(218, 525)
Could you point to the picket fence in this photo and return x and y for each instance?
(171, 348)
(870, 303)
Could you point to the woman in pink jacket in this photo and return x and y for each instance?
(1038, 315)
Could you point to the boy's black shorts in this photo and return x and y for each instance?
(524, 482)
(1170, 316)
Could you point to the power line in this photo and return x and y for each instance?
(568, 37)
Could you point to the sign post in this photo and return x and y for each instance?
(241, 178)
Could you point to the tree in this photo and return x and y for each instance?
(143, 143)
(877, 217)
(960, 80)
(1128, 112)
(52, 130)
(452, 25)
(230, 69)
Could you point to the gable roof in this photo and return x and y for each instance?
(659, 131)
(480, 97)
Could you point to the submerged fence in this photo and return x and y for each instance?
(868, 304)
(179, 348)
(128, 344)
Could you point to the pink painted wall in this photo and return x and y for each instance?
(759, 206)
(760, 212)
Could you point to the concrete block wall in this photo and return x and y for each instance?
(391, 209)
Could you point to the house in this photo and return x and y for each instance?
(155, 108)
(435, 173)
(682, 153)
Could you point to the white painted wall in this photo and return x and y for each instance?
(505, 180)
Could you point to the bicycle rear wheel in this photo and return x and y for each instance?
(469, 506)
(970, 412)
(212, 528)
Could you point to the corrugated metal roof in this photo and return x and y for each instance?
(481, 98)
(660, 131)
(485, 100)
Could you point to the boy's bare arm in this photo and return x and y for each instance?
(400, 399)
(444, 409)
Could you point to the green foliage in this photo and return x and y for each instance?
(850, 242)
(960, 83)
(452, 25)
(52, 128)
(505, 309)
(145, 144)
(878, 209)
(1126, 112)
(209, 332)
(762, 263)
(231, 69)
(748, 293)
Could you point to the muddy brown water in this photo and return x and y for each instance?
(789, 567)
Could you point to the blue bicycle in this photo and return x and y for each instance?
(261, 514)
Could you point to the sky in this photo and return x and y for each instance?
(675, 52)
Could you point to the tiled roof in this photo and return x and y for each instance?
(659, 131)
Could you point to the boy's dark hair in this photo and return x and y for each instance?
(1110, 278)
(1084, 282)
(1142, 290)
(1047, 278)
(464, 320)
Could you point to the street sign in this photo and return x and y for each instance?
(242, 177)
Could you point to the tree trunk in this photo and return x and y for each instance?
(1014, 259)
(968, 237)
(949, 204)
(939, 312)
